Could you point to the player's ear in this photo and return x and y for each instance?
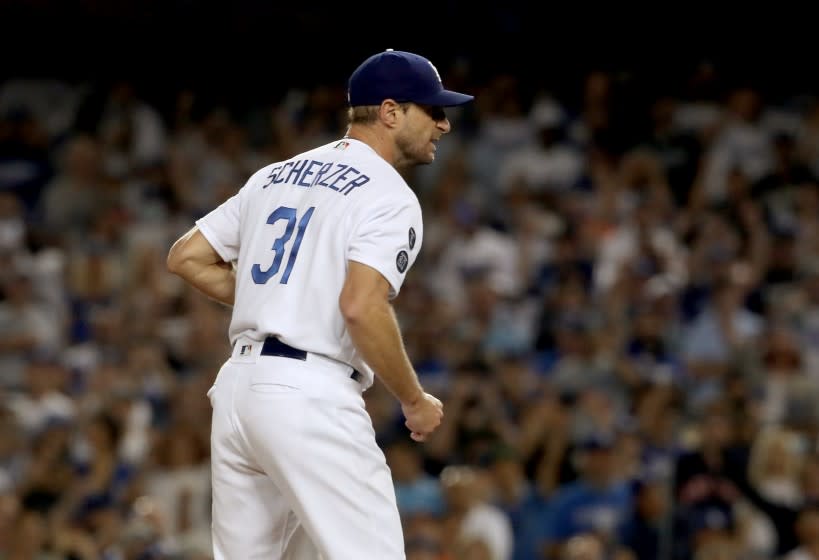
(390, 112)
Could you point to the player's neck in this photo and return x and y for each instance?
(376, 139)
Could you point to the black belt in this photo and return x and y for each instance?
(274, 347)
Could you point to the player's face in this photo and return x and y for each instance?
(423, 127)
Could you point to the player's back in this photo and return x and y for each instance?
(299, 222)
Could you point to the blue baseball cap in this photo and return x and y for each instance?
(401, 76)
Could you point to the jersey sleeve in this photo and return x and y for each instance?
(221, 227)
(388, 239)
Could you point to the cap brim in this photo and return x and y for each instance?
(446, 98)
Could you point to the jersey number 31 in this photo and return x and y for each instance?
(279, 246)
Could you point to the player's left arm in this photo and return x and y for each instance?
(193, 259)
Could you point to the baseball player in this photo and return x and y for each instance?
(309, 253)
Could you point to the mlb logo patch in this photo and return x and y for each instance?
(245, 350)
(342, 145)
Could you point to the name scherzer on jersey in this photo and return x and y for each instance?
(292, 229)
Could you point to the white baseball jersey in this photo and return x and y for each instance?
(292, 229)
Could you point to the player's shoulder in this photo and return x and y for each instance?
(262, 174)
(390, 190)
(390, 184)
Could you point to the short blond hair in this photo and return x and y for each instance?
(367, 114)
(363, 114)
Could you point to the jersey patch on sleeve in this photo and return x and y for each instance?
(401, 261)
(411, 239)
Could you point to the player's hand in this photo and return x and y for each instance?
(423, 416)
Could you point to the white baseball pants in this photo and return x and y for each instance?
(296, 471)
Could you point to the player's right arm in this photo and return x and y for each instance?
(203, 257)
(194, 260)
(375, 332)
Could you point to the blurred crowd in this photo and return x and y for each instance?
(617, 300)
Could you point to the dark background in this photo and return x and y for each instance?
(251, 50)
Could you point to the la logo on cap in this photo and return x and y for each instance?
(437, 75)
